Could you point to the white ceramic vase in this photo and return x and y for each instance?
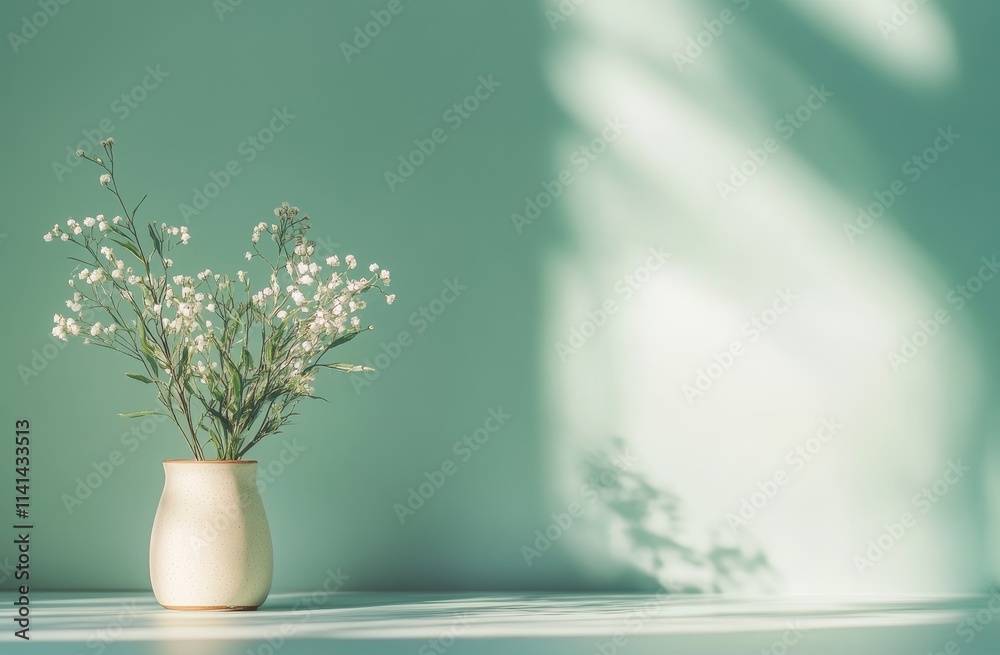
(211, 545)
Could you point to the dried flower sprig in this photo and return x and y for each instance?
(229, 360)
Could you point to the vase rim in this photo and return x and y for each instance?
(210, 461)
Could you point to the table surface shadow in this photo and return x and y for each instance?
(425, 624)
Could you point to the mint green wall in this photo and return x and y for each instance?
(223, 77)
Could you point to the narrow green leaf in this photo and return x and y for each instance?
(349, 368)
(155, 237)
(140, 378)
(131, 248)
(236, 379)
(137, 206)
(147, 348)
(246, 361)
(345, 338)
(145, 412)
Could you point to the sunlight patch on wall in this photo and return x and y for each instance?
(909, 40)
(780, 324)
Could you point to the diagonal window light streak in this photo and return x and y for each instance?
(784, 229)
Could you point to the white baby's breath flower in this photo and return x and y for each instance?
(248, 255)
(105, 179)
(89, 221)
(390, 298)
(102, 226)
(47, 236)
(351, 261)
(241, 275)
(80, 153)
(116, 220)
(333, 261)
(112, 328)
(373, 267)
(64, 237)
(95, 329)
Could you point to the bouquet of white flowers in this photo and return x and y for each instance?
(229, 360)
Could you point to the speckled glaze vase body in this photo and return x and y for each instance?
(211, 545)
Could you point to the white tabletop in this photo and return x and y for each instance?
(422, 624)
